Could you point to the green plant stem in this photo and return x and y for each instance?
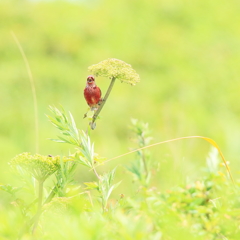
(36, 217)
(95, 172)
(99, 179)
(103, 206)
(100, 182)
(52, 194)
(33, 91)
(103, 101)
(143, 156)
(145, 164)
(40, 197)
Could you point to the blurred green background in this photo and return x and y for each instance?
(186, 52)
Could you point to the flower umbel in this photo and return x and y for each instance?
(115, 68)
(39, 166)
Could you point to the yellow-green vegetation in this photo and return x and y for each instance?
(115, 68)
(40, 167)
(187, 55)
(196, 210)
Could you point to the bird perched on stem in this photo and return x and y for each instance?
(92, 94)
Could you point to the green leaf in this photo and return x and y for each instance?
(10, 189)
(91, 185)
(67, 127)
(111, 189)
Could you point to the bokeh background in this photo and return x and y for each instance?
(187, 54)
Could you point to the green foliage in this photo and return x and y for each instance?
(85, 154)
(40, 167)
(106, 187)
(64, 178)
(66, 127)
(195, 210)
(187, 54)
(87, 150)
(10, 189)
(143, 165)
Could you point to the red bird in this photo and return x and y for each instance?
(92, 93)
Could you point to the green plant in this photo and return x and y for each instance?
(85, 154)
(38, 168)
(49, 197)
(141, 168)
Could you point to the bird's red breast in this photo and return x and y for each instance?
(92, 92)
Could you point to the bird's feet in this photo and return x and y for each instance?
(92, 125)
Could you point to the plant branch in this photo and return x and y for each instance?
(33, 90)
(211, 141)
(40, 197)
(103, 101)
(143, 157)
(145, 164)
(95, 172)
(52, 194)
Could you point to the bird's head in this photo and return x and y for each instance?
(90, 80)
